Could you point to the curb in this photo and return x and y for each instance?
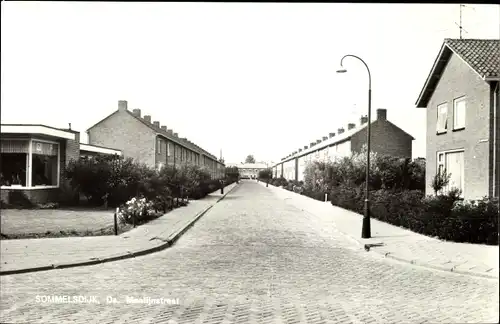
(435, 267)
(412, 262)
(122, 256)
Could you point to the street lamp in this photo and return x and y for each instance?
(365, 232)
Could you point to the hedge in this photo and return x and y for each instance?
(114, 181)
(444, 216)
(397, 197)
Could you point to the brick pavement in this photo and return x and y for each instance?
(29, 254)
(402, 244)
(254, 258)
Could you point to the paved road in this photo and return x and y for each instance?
(254, 259)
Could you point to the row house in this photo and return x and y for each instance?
(461, 98)
(33, 159)
(148, 142)
(386, 138)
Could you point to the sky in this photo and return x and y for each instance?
(244, 78)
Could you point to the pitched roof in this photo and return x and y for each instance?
(181, 141)
(481, 55)
(249, 165)
(336, 140)
(163, 133)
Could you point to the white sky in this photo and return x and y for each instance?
(247, 78)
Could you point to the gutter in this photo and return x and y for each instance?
(490, 79)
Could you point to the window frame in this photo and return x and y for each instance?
(158, 146)
(442, 164)
(445, 129)
(455, 102)
(29, 164)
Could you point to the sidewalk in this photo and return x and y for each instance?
(29, 255)
(401, 244)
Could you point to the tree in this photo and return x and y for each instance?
(250, 159)
(440, 181)
(232, 173)
(266, 175)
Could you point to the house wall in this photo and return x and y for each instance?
(122, 131)
(34, 196)
(459, 80)
(386, 139)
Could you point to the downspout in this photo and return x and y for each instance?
(496, 147)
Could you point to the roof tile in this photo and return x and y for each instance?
(483, 55)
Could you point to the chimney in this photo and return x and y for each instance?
(122, 105)
(318, 141)
(331, 135)
(300, 150)
(363, 120)
(176, 134)
(69, 126)
(312, 144)
(164, 128)
(350, 126)
(305, 147)
(340, 130)
(157, 124)
(136, 112)
(325, 138)
(381, 114)
(171, 132)
(147, 118)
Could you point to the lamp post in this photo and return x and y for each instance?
(366, 231)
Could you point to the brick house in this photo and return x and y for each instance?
(461, 95)
(386, 138)
(33, 158)
(149, 142)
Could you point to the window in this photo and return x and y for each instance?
(29, 163)
(44, 164)
(453, 164)
(169, 148)
(158, 146)
(459, 108)
(14, 171)
(442, 118)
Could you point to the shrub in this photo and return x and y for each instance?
(279, 182)
(440, 180)
(232, 174)
(106, 178)
(136, 211)
(265, 174)
(68, 195)
(473, 221)
(444, 216)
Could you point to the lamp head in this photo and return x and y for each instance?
(341, 70)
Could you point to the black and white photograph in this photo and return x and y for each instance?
(260, 162)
